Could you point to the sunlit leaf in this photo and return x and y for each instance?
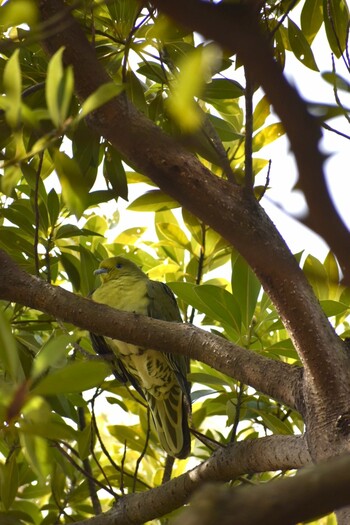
(195, 71)
(101, 96)
(59, 88)
(12, 81)
(51, 354)
(300, 46)
(245, 288)
(336, 20)
(75, 377)
(8, 351)
(267, 135)
(311, 18)
(16, 12)
(154, 200)
(336, 80)
(9, 481)
(75, 188)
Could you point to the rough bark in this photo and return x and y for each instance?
(313, 492)
(250, 368)
(226, 464)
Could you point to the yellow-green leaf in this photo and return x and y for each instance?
(102, 95)
(9, 353)
(75, 188)
(13, 88)
(75, 377)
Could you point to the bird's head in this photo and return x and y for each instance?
(117, 267)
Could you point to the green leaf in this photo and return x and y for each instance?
(75, 377)
(101, 96)
(300, 46)
(59, 88)
(51, 353)
(12, 81)
(130, 436)
(332, 308)
(16, 12)
(49, 430)
(71, 266)
(130, 236)
(154, 200)
(336, 80)
(336, 20)
(195, 71)
(9, 481)
(245, 288)
(153, 71)
(84, 442)
(9, 352)
(74, 186)
(220, 304)
(317, 276)
(175, 234)
(267, 135)
(311, 19)
(114, 172)
(261, 112)
(136, 91)
(36, 452)
(225, 130)
(222, 88)
(207, 379)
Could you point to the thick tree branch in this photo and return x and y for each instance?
(236, 27)
(260, 455)
(276, 379)
(310, 494)
(182, 176)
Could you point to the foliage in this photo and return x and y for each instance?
(58, 175)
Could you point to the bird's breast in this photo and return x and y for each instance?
(125, 294)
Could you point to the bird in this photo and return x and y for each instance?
(160, 378)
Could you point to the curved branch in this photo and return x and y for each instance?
(246, 226)
(317, 491)
(236, 27)
(276, 379)
(259, 455)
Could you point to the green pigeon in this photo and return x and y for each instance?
(159, 377)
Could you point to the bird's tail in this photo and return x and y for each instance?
(170, 416)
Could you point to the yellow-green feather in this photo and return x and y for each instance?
(160, 377)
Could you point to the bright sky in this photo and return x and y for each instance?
(283, 171)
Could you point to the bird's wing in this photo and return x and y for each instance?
(102, 348)
(163, 306)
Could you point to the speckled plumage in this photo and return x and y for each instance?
(157, 376)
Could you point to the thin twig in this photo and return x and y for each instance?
(142, 455)
(267, 182)
(79, 468)
(241, 387)
(37, 214)
(200, 265)
(248, 143)
(96, 505)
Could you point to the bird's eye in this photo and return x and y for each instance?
(119, 265)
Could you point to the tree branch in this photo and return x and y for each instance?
(181, 175)
(276, 379)
(316, 491)
(236, 27)
(260, 455)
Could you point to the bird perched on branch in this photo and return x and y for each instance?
(159, 377)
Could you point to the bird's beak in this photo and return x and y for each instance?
(100, 270)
